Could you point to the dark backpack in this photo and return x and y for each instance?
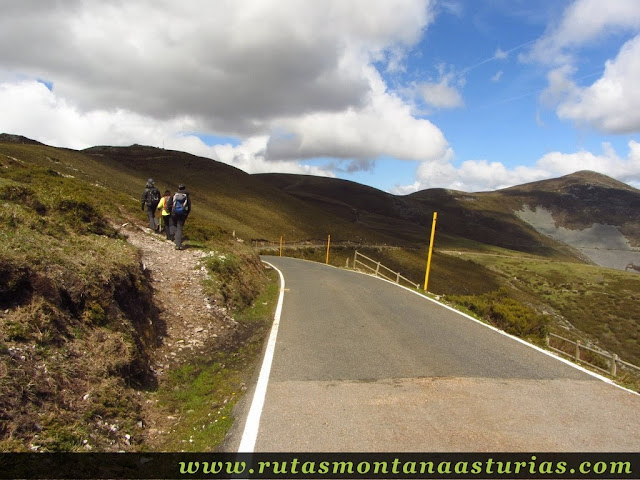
(153, 197)
(180, 204)
(167, 204)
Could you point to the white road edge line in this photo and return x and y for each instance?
(502, 332)
(250, 434)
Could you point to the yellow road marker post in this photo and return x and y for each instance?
(328, 244)
(433, 232)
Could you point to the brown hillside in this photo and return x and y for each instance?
(579, 200)
(225, 198)
(476, 217)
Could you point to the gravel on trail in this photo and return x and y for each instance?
(192, 322)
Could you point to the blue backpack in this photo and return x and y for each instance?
(180, 204)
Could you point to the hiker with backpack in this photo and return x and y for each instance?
(165, 204)
(180, 209)
(150, 199)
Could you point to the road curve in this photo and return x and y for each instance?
(361, 364)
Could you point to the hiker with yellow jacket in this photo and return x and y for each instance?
(165, 204)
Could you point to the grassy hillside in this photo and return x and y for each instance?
(585, 302)
(72, 285)
(482, 218)
(224, 196)
(360, 205)
(489, 260)
(576, 202)
(79, 321)
(579, 200)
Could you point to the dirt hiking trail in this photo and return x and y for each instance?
(192, 321)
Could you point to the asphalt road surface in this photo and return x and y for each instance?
(363, 365)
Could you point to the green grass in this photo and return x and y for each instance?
(501, 310)
(597, 302)
(203, 392)
(68, 281)
(71, 285)
(234, 277)
(449, 275)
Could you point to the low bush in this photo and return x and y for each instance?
(501, 310)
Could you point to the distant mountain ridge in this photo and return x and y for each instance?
(595, 214)
(537, 217)
(78, 302)
(580, 177)
(10, 138)
(575, 202)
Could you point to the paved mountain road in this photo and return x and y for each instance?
(363, 365)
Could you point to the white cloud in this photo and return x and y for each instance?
(497, 77)
(608, 163)
(441, 94)
(384, 127)
(54, 121)
(582, 23)
(481, 175)
(561, 87)
(474, 175)
(209, 60)
(29, 108)
(250, 157)
(294, 76)
(612, 103)
(500, 54)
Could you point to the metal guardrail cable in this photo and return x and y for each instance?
(376, 270)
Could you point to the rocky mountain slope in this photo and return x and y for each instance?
(583, 215)
(109, 341)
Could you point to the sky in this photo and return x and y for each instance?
(401, 95)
